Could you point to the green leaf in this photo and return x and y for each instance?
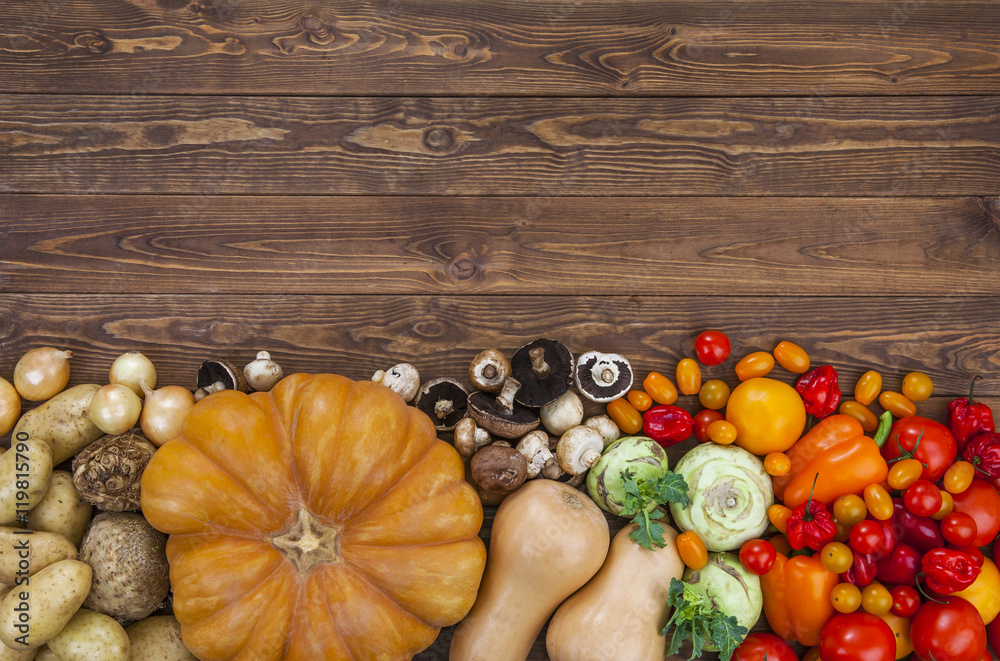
(643, 496)
(695, 619)
(672, 488)
(727, 635)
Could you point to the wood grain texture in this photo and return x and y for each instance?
(550, 47)
(463, 245)
(491, 146)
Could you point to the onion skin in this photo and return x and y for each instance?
(42, 373)
(131, 368)
(164, 412)
(114, 409)
(10, 406)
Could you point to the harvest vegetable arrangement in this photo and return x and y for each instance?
(314, 517)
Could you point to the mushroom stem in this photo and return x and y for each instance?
(538, 364)
(443, 408)
(590, 458)
(505, 400)
(202, 393)
(490, 371)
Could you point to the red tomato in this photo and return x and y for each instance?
(905, 601)
(948, 631)
(857, 636)
(959, 529)
(761, 646)
(982, 502)
(922, 498)
(702, 420)
(757, 556)
(712, 347)
(866, 537)
(937, 447)
(993, 632)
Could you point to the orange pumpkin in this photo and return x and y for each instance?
(321, 520)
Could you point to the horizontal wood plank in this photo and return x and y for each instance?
(549, 47)
(551, 147)
(463, 245)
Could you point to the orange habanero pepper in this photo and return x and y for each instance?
(797, 597)
(825, 434)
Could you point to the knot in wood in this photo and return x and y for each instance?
(462, 267)
(460, 50)
(98, 45)
(439, 139)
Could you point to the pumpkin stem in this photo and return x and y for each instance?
(308, 542)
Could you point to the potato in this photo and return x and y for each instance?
(158, 638)
(43, 653)
(91, 636)
(25, 472)
(7, 654)
(29, 552)
(61, 510)
(33, 613)
(63, 422)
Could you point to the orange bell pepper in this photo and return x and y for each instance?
(825, 434)
(847, 467)
(797, 597)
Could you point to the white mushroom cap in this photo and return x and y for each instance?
(469, 438)
(606, 427)
(403, 379)
(535, 448)
(579, 449)
(563, 413)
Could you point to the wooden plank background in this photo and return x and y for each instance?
(354, 184)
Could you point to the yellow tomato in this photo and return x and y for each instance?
(984, 593)
(769, 415)
(901, 631)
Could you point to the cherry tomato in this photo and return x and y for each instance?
(758, 363)
(688, 377)
(836, 557)
(901, 631)
(845, 597)
(861, 413)
(905, 600)
(778, 516)
(879, 502)
(640, 399)
(982, 503)
(876, 599)
(759, 646)
(692, 550)
(922, 498)
(714, 394)
(959, 476)
(904, 473)
(948, 629)
(660, 388)
(757, 556)
(917, 386)
(702, 420)
(628, 419)
(897, 403)
(722, 432)
(712, 347)
(937, 448)
(866, 537)
(857, 637)
(868, 387)
(792, 357)
(849, 510)
(777, 464)
(947, 505)
(843, 534)
(959, 528)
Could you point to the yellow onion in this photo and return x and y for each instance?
(164, 412)
(10, 406)
(115, 409)
(42, 373)
(130, 368)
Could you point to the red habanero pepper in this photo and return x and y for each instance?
(819, 391)
(968, 419)
(983, 452)
(667, 424)
(810, 524)
(947, 570)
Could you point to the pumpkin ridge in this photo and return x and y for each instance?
(333, 620)
(363, 576)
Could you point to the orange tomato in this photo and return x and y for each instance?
(959, 477)
(984, 593)
(714, 394)
(660, 388)
(899, 405)
(758, 363)
(640, 399)
(861, 413)
(722, 432)
(768, 414)
(917, 386)
(792, 357)
(777, 464)
(688, 376)
(628, 419)
(878, 502)
(778, 516)
(692, 550)
(868, 387)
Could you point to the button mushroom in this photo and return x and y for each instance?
(563, 413)
(444, 400)
(469, 438)
(545, 370)
(500, 415)
(579, 449)
(498, 469)
(606, 427)
(403, 379)
(262, 373)
(535, 448)
(216, 375)
(602, 377)
(489, 370)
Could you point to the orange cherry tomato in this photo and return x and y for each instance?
(628, 419)
(849, 509)
(846, 597)
(837, 557)
(947, 506)
(640, 399)
(959, 477)
(660, 388)
(917, 386)
(879, 502)
(778, 516)
(777, 464)
(895, 402)
(758, 363)
(714, 394)
(868, 387)
(722, 432)
(792, 357)
(904, 473)
(692, 550)
(875, 599)
(861, 413)
(688, 376)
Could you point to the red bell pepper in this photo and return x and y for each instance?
(667, 425)
(983, 452)
(947, 570)
(819, 391)
(968, 419)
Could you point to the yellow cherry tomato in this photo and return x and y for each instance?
(843, 534)
(849, 509)
(758, 363)
(660, 388)
(861, 413)
(984, 593)
(778, 516)
(640, 399)
(792, 357)
(904, 473)
(688, 376)
(714, 394)
(895, 402)
(875, 599)
(947, 505)
(917, 386)
(868, 387)
(628, 419)
(959, 476)
(692, 550)
(777, 464)
(879, 502)
(837, 557)
(722, 432)
(846, 598)
(769, 415)
(901, 631)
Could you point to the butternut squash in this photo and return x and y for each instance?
(548, 539)
(620, 613)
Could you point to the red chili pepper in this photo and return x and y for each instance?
(947, 571)
(900, 567)
(862, 571)
(921, 532)
(667, 424)
(968, 419)
(983, 452)
(810, 525)
(819, 391)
